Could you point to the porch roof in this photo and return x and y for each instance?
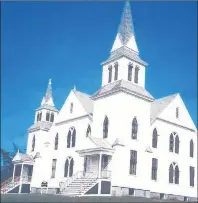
(23, 158)
(96, 150)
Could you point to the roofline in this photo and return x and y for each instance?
(175, 124)
(122, 89)
(37, 128)
(95, 150)
(40, 108)
(122, 56)
(73, 119)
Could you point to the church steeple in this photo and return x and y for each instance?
(48, 99)
(47, 110)
(125, 36)
(124, 62)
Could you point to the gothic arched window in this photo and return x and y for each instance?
(105, 127)
(171, 173)
(134, 129)
(154, 140)
(40, 116)
(88, 133)
(110, 74)
(33, 143)
(136, 74)
(47, 116)
(130, 67)
(191, 148)
(176, 174)
(52, 117)
(69, 166)
(177, 144)
(71, 137)
(56, 142)
(171, 143)
(116, 71)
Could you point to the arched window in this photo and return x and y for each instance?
(191, 148)
(33, 143)
(176, 174)
(40, 116)
(171, 173)
(171, 143)
(154, 140)
(134, 129)
(116, 71)
(66, 168)
(88, 133)
(52, 117)
(71, 137)
(56, 142)
(47, 116)
(37, 117)
(105, 127)
(69, 165)
(136, 74)
(177, 144)
(130, 67)
(110, 74)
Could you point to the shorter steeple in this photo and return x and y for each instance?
(125, 36)
(48, 98)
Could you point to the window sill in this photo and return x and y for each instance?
(133, 175)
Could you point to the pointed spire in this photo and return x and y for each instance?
(126, 30)
(48, 99)
(125, 35)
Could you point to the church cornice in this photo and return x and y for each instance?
(122, 89)
(175, 124)
(127, 53)
(74, 119)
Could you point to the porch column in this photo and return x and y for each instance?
(21, 178)
(13, 174)
(100, 163)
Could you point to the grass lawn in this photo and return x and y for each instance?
(60, 198)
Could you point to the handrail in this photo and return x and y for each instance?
(92, 176)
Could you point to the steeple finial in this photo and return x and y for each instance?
(74, 87)
(125, 35)
(48, 99)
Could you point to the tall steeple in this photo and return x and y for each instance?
(48, 99)
(125, 36)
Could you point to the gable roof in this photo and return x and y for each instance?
(86, 100)
(159, 105)
(19, 157)
(124, 86)
(100, 142)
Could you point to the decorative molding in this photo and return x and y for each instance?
(73, 119)
(175, 124)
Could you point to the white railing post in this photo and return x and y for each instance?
(13, 174)
(99, 168)
(20, 186)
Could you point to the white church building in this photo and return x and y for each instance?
(118, 141)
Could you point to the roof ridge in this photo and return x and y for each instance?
(171, 95)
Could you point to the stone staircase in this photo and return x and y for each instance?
(9, 185)
(79, 184)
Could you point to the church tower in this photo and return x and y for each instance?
(124, 62)
(44, 119)
(47, 111)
